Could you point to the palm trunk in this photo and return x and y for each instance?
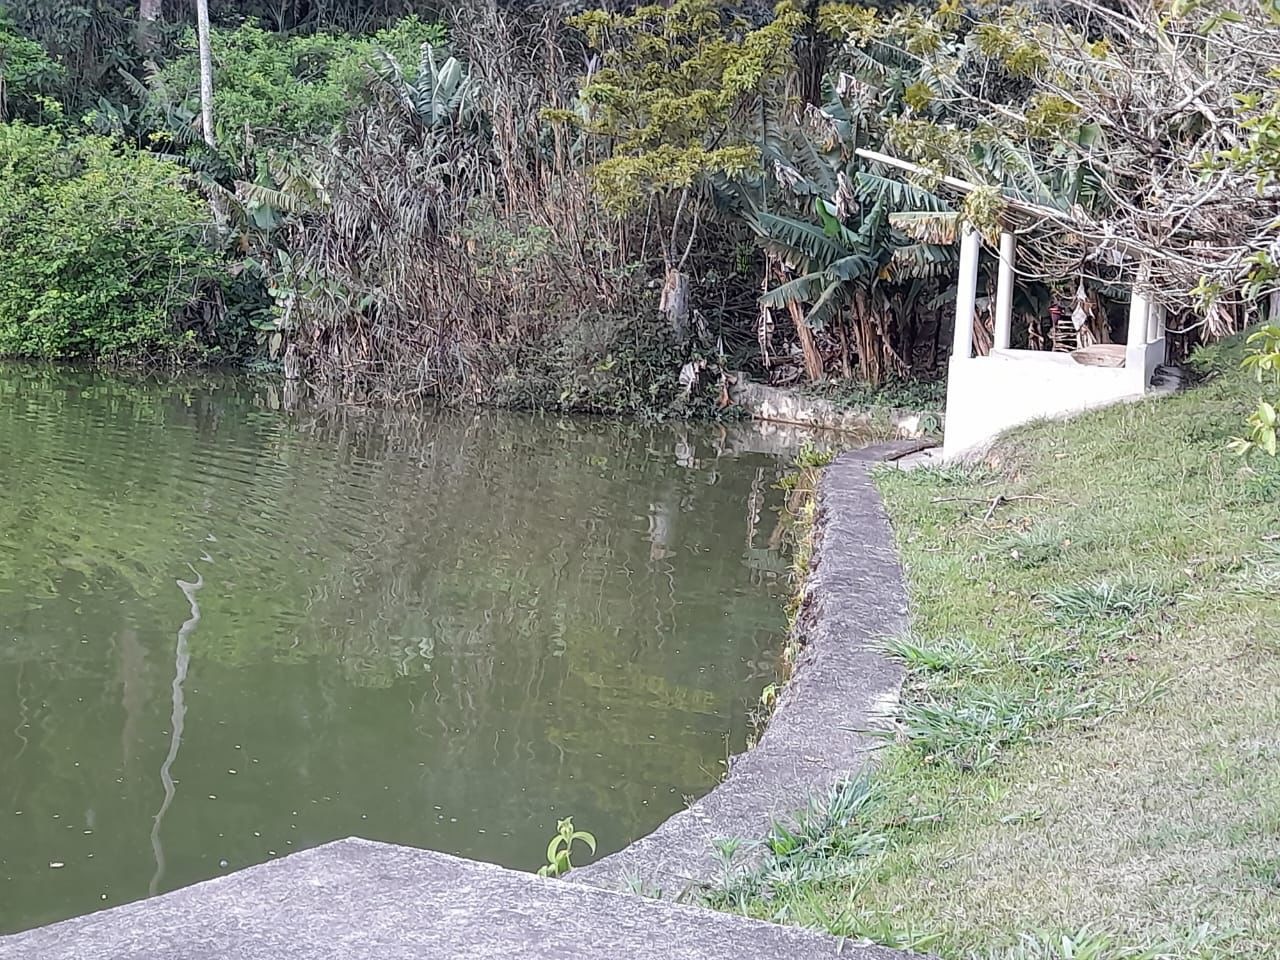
(206, 72)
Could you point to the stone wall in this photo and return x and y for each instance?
(789, 406)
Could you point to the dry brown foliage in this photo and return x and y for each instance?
(445, 249)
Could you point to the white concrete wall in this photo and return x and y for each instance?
(988, 395)
(1150, 357)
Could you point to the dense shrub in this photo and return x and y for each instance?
(96, 44)
(100, 248)
(273, 90)
(26, 73)
(599, 363)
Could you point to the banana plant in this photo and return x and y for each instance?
(442, 95)
(865, 247)
(861, 252)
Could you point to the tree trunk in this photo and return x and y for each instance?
(149, 13)
(206, 72)
(812, 358)
(909, 348)
(846, 365)
(674, 304)
(936, 345)
(868, 342)
(811, 50)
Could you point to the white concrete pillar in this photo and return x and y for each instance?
(966, 292)
(1004, 291)
(1137, 360)
(1155, 322)
(1139, 318)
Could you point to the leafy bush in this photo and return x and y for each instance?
(100, 247)
(26, 74)
(893, 393)
(1264, 360)
(272, 90)
(611, 364)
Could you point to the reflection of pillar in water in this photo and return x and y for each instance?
(754, 502)
(686, 453)
(659, 535)
(177, 720)
(133, 690)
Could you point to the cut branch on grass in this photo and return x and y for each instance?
(997, 501)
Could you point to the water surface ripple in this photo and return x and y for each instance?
(228, 632)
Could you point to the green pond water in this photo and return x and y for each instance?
(230, 632)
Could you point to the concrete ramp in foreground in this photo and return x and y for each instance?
(360, 900)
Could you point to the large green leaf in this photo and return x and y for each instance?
(927, 226)
(899, 194)
(831, 299)
(854, 267)
(802, 289)
(921, 261)
(799, 238)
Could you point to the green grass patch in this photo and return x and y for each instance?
(1101, 600)
(973, 731)
(1041, 544)
(943, 655)
(1086, 761)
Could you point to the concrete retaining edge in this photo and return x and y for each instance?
(361, 900)
(779, 405)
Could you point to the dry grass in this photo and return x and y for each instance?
(1134, 650)
(452, 248)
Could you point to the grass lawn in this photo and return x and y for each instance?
(1087, 760)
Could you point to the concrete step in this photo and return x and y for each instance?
(361, 900)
